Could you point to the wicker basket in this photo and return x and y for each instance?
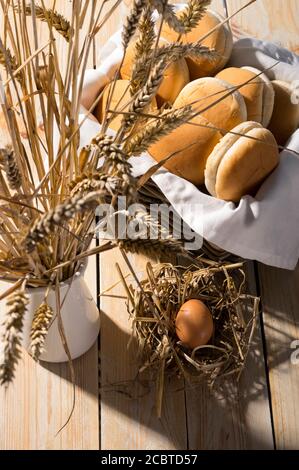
(150, 193)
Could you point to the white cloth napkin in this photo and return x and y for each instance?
(264, 228)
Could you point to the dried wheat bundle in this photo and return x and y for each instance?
(40, 213)
(155, 302)
(50, 189)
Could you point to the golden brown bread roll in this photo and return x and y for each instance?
(258, 93)
(220, 40)
(192, 143)
(121, 100)
(238, 165)
(176, 76)
(285, 117)
(202, 93)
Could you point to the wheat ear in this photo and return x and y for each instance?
(169, 16)
(193, 13)
(58, 21)
(143, 50)
(176, 51)
(9, 61)
(155, 240)
(152, 132)
(152, 248)
(39, 329)
(57, 217)
(132, 20)
(7, 158)
(145, 95)
(12, 335)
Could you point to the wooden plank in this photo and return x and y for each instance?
(38, 403)
(280, 298)
(278, 20)
(212, 423)
(236, 418)
(40, 400)
(128, 415)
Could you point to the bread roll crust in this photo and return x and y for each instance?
(120, 99)
(252, 92)
(203, 92)
(268, 95)
(258, 93)
(219, 152)
(239, 164)
(220, 40)
(191, 144)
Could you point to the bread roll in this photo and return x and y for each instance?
(220, 40)
(285, 117)
(201, 93)
(176, 76)
(258, 93)
(238, 164)
(120, 101)
(191, 143)
(268, 96)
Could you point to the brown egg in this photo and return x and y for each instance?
(194, 323)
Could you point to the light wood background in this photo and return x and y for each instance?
(264, 415)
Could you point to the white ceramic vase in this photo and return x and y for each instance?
(79, 314)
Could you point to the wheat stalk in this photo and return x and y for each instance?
(163, 125)
(12, 334)
(176, 51)
(131, 22)
(7, 159)
(143, 50)
(39, 329)
(146, 94)
(9, 61)
(153, 238)
(193, 13)
(62, 213)
(87, 181)
(152, 248)
(146, 28)
(113, 185)
(168, 14)
(168, 53)
(58, 21)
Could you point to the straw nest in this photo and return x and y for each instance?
(155, 302)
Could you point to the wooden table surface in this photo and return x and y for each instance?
(116, 415)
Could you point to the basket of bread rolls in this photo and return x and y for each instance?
(219, 137)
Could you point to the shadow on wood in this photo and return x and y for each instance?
(193, 417)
